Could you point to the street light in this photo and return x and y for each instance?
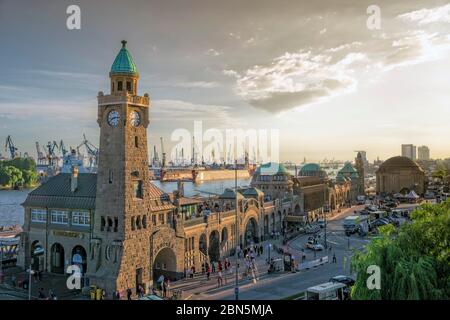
(236, 289)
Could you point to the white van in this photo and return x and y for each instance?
(326, 291)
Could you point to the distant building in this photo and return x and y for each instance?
(409, 151)
(400, 174)
(423, 153)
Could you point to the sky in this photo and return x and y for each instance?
(313, 70)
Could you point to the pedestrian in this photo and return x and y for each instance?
(213, 267)
(41, 294)
(192, 271)
(219, 279)
(203, 268)
(334, 258)
(103, 294)
(164, 285)
(129, 294)
(208, 273)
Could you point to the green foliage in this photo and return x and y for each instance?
(18, 172)
(414, 259)
(11, 176)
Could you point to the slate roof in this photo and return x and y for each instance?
(56, 193)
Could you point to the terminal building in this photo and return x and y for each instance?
(122, 230)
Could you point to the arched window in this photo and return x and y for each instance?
(136, 142)
(133, 224)
(138, 223)
(102, 224)
(144, 222)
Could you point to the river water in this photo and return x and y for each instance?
(11, 212)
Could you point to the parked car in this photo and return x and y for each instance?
(348, 281)
(314, 246)
(321, 223)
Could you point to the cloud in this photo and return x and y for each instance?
(296, 79)
(212, 52)
(427, 16)
(197, 84)
(303, 77)
(183, 112)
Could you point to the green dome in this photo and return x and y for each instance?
(124, 62)
(272, 168)
(310, 167)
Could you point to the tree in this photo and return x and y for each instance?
(29, 177)
(10, 175)
(414, 259)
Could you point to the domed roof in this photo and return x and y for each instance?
(310, 167)
(253, 192)
(271, 168)
(230, 194)
(399, 162)
(124, 62)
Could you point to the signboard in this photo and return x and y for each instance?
(70, 234)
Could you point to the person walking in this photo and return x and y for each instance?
(219, 279)
(164, 286)
(129, 294)
(208, 273)
(192, 271)
(334, 258)
(213, 264)
(203, 268)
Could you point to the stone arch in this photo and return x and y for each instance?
(165, 264)
(57, 260)
(203, 244)
(224, 237)
(214, 246)
(79, 257)
(266, 225)
(36, 254)
(251, 232)
(297, 209)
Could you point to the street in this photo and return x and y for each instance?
(264, 286)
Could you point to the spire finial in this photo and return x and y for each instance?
(124, 43)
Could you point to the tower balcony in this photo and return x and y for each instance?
(142, 101)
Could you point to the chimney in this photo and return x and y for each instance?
(74, 179)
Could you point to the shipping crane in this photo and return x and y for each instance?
(51, 155)
(91, 150)
(9, 145)
(163, 165)
(40, 155)
(62, 148)
(155, 157)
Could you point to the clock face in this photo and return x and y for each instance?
(135, 118)
(113, 118)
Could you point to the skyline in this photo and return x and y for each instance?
(328, 86)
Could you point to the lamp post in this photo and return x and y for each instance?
(324, 214)
(29, 279)
(236, 289)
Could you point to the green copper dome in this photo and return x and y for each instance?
(347, 171)
(272, 168)
(124, 62)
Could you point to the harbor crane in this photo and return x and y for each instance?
(40, 155)
(91, 149)
(155, 157)
(62, 148)
(163, 165)
(9, 145)
(51, 155)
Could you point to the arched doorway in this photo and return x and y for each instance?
(280, 219)
(202, 246)
(79, 258)
(165, 264)
(224, 240)
(57, 258)
(251, 232)
(266, 226)
(297, 210)
(214, 248)
(37, 255)
(273, 221)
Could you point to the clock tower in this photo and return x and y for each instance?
(119, 250)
